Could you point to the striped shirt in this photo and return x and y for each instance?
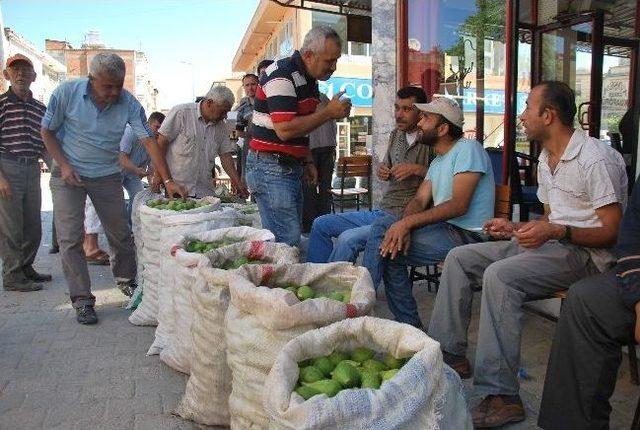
(20, 126)
(286, 91)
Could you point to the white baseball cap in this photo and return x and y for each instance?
(444, 106)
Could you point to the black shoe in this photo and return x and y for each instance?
(127, 287)
(54, 250)
(86, 315)
(30, 273)
(22, 285)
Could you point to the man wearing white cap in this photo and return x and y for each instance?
(455, 199)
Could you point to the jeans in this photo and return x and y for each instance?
(277, 189)
(133, 185)
(317, 198)
(509, 275)
(585, 355)
(352, 230)
(20, 225)
(429, 245)
(69, 203)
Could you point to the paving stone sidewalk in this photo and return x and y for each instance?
(57, 374)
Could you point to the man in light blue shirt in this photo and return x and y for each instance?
(459, 183)
(81, 129)
(135, 160)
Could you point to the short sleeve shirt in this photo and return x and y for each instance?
(194, 145)
(465, 156)
(587, 177)
(89, 136)
(134, 149)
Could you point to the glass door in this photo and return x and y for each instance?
(571, 51)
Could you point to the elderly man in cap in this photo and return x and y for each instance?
(193, 135)
(20, 148)
(452, 203)
(81, 129)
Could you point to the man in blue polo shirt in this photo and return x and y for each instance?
(81, 129)
(284, 114)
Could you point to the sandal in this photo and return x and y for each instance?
(100, 258)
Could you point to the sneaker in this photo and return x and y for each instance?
(498, 410)
(127, 287)
(30, 273)
(86, 315)
(22, 285)
(458, 363)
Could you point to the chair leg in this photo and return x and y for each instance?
(633, 364)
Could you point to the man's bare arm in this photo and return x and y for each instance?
(420, 201)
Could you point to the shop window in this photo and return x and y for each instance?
(455, 48)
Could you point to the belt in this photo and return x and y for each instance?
(280, 157)
(20, 159)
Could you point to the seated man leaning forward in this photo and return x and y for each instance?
(460, 185)
(404, 167)
(583, 192)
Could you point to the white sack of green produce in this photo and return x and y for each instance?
(406, 384)
(266, 312)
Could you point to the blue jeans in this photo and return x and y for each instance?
(133, 185)
(429, 245)
(277, 189)
(352, 230)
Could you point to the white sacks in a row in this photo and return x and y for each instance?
(159, 229)
(424, 394)
(208, 388)
(178, 272)
(261, 319)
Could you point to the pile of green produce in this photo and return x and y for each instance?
(177, 204)
(339, 371)
(230, 198)
(202, 247)
(305, 292)
(241, 261)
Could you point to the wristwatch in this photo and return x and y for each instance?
(567, 234)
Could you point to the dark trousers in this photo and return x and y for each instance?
(585, 356)
(317, 199)
(20, 225)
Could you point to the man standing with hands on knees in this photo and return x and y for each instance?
(81, 130)
(284, 114)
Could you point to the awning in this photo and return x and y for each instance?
(341, 7)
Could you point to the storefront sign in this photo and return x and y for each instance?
(493, 101)
(358, 90)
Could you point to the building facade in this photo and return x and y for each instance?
(137, 79)
(276, 32)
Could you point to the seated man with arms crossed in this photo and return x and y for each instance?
(403, 168)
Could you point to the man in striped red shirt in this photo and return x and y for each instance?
(20, 148)
(284, 115)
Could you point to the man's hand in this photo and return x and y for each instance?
(5, 189)
(404, 171)
(383, 172)
(338, 109)
(397, 238)
(172, 189)
(498, 228)
(535, 233)
(155, 183)
(310, 173)
(141, 172)
(69, 175)
(241, 189)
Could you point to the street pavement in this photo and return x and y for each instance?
(57, 374)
